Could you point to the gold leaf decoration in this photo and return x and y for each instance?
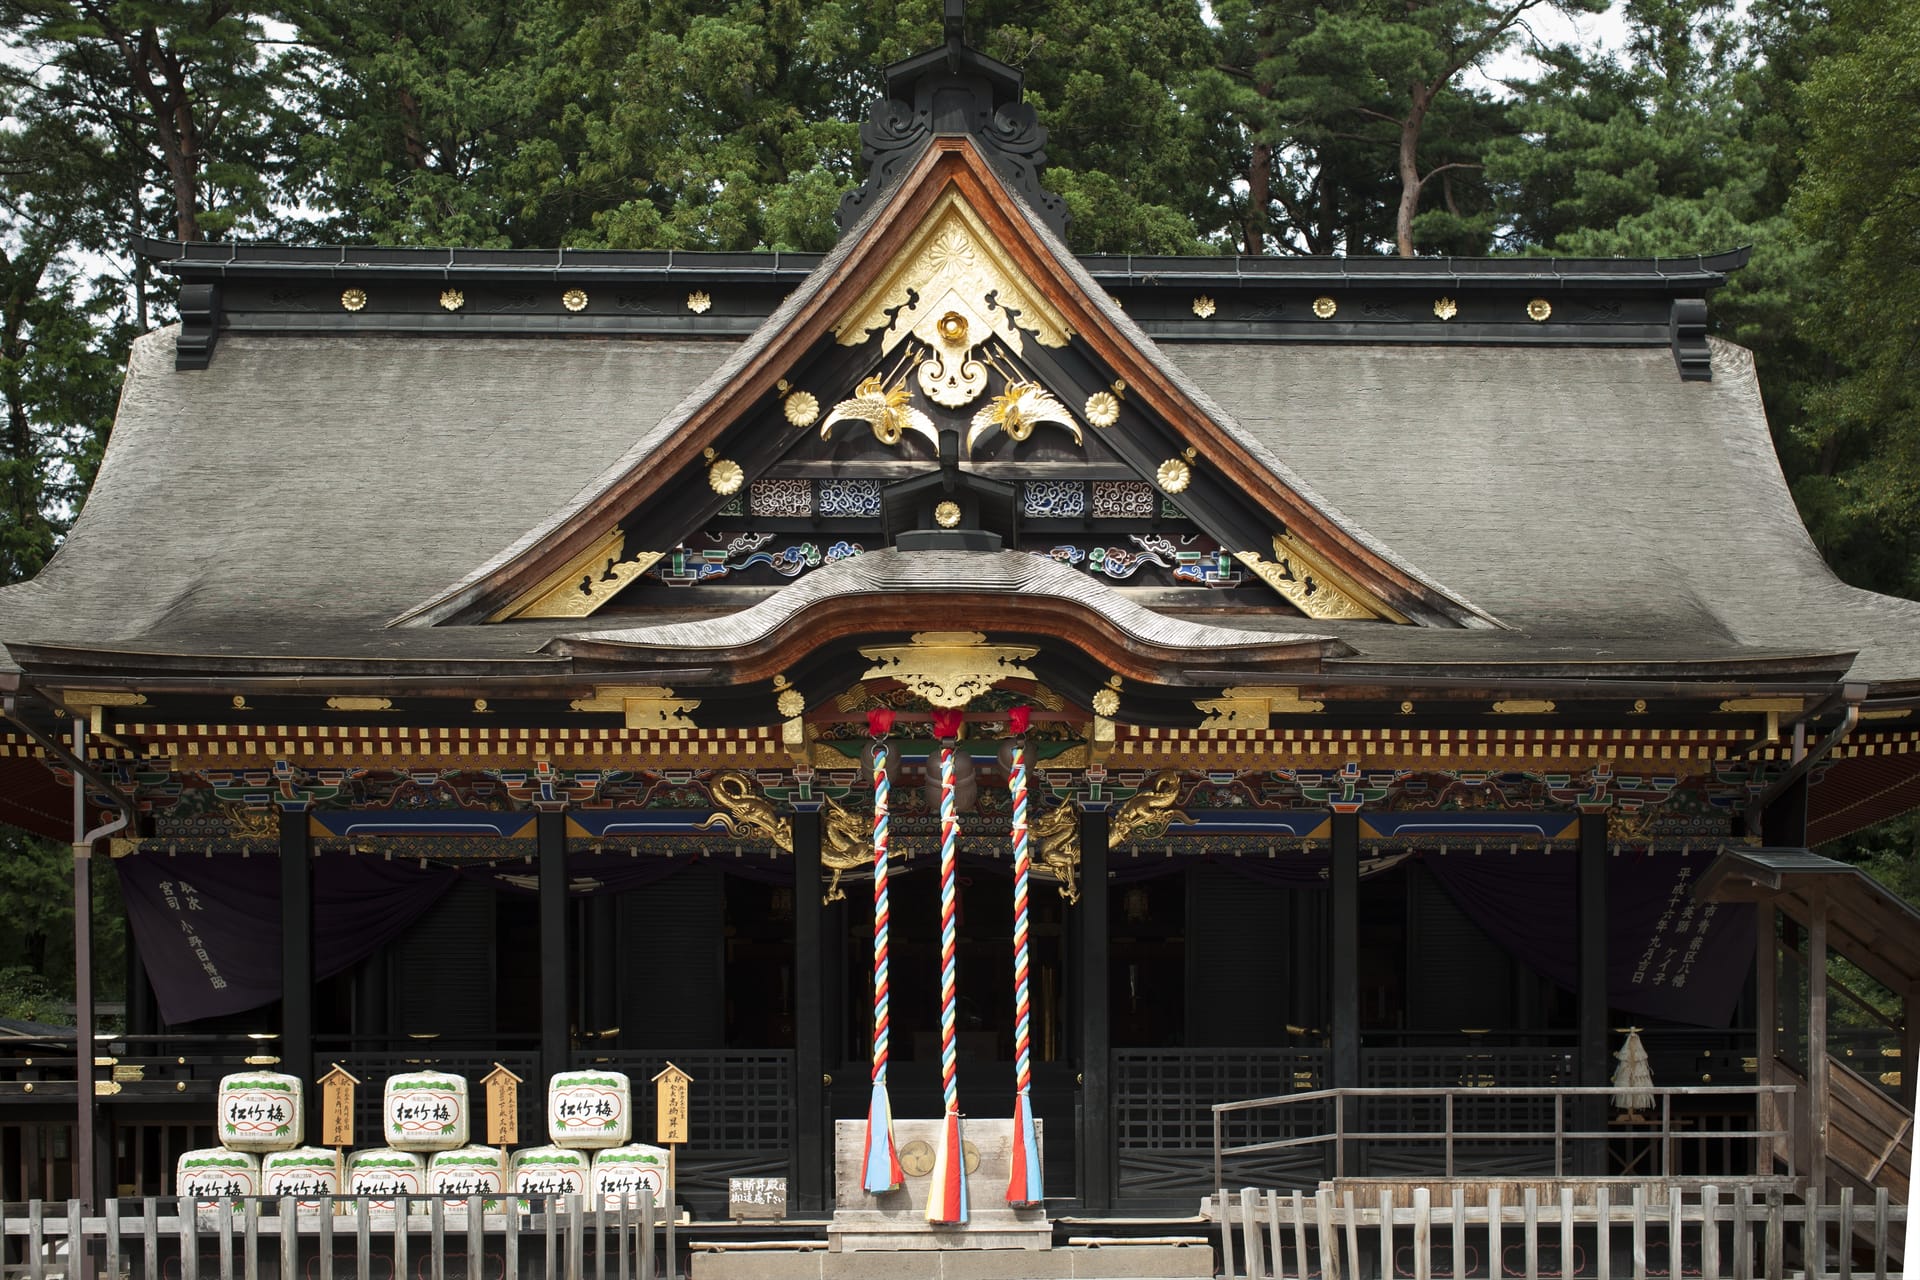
(698, 302)
(1309, 582)
(353, 299)
(452, 299)
(1446, 308)
(886, 410)
(949, 668)
(944, 276)
(1174, 475)
(1324, 307)
(1539, 309)
(574, 299)
(725, 476)
(1204, 307)
(803, 409)
(1106, 702)
(947, 515)
(1102, 410)
(791, 702)
(1018, 410)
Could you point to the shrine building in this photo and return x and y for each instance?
(473, 657)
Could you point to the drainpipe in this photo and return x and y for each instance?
(1804, 761)
(86, 1106)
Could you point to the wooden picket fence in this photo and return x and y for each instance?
(1326, 1235)
(257, 1238)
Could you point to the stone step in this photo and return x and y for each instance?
(1191, 1259)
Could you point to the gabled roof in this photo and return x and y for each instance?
(669, 462)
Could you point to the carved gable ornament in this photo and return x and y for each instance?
(949, 668)
(952, 289)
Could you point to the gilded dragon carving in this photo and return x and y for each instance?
(745, 812)
(845, 845)
(1056, 834)
(1148, 812)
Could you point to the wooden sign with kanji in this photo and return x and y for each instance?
(503, 1106)
(670, 1106)
(336, 1107)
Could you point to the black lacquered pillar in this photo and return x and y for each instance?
(811, 1139)
(1096, 1040)
(296, 945)
(550, 831)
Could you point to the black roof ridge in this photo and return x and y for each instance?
(239, 258)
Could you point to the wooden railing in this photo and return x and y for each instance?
(1342, 1118)
(181, 1239)
(1657, 1231)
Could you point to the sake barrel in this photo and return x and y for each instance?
(426, 1111)
(550, 1171)
(588, 1109)
(383, 1175)
(625, 1172)
(468, 1171)
(304, 1173)
(215, 1173)
(260, 1111)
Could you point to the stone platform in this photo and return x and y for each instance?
(897, 1221)
(1116, 1261)
(887, 1237)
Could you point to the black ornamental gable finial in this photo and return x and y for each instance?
(953, 89)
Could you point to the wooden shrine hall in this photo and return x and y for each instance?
(479, 657)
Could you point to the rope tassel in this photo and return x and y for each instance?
(947, 1194)
(881, 1160)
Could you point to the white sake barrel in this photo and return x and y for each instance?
(550, 1171)
(304, 1173)
(215, 1173)
(588, 1109)
(425, 1111)
(469, 1171)
(383, 1175)
(627, 1171)
(260, 1111)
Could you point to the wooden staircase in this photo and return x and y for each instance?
(1869, 1135)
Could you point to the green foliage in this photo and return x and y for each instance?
(1363, 131)
(651, 124)
(36, 898)
(1859, 196)
(27, 996)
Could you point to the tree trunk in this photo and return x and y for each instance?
(1259, 192)
(1409, 167)
(173, 124)
(1327, 235)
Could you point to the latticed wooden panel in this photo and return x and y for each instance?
(1490, 1068)
(740, 1117)
(1163, 1103)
